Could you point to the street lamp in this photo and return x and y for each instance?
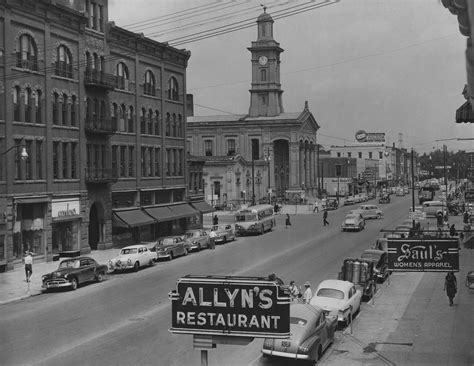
(23, 154)
(386, 153)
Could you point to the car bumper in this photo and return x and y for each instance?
(163, 256)
(55, 284)
(120, 267)
(285, 354)
(351, 228)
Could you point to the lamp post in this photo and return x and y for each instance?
(386, 153)
(253, 182)
(268, 158)
(23, 153)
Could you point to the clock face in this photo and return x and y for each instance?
(262, 60)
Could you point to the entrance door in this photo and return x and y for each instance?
(94, 227)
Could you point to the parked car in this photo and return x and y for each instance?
(363, 197)
(170, 247)
(370, 212)
(406, 190)
(385, 198)
(311, 333)
(225, 233)
(353, 222)
(74, 271)
(380, 260)
(349, 200)
(197, 239)
(132, 257)
(338, 298)
(432, 208)
(400, 192)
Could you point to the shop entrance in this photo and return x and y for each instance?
(96, 219)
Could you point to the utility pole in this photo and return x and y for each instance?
(413, 188)
(253, 182)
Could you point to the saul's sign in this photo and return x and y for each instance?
(423, 255)
(234, 306)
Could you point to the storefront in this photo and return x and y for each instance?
(66, 225)
(131, 226)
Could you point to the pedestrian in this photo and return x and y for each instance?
(439, 219)
(212, 239)
(308, 294)
(276, 208)
(466, 217)
(295, 293)
(215, 220)
(451, 286)
(452, 230)
(316, 207)
(28, 265)
(325, 218)
(287, 221)
(445, 218)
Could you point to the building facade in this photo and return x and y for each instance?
(265, 153)
(100, 113)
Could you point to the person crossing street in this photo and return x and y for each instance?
(325, 218)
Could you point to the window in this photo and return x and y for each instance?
(123, 162)
(173, 91)
(143, 121)
(74, 160)
(168, 123)
(168, 161)
(64, 109)
(28, 171)
(73, 110)
(92, 15)
(338, 154)
(100, 18)
(18, 170)
(16, 103)
(123, 115)
(28, 105)
(65, 157)
(349, 155)
(143, 161)
(380, 155)
(180, 162)
(55, 160)
(255, 149)
(150, 161)
(208, 147)
(231, 147)
(338, 170)
(114, 160)
(174, 125)
(122, 76)
(131, 165)
(157, 123)
(150, 122)
(38, 102)
(263, 75)
(63, 65)
(180, 125)
(131, 124)
(26, 56)
(173, 162)
(157, 163)
(149, 87)
(360, 154)
(370, 154)
(56, 109)
(39, 159)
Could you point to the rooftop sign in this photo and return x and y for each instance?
(234, 306)
(362, 136)
(423, 255)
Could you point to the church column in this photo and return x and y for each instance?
(311, 167)
(315, 168)
(294, 164)
(301, 165)
(307, 181)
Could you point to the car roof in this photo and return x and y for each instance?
(336, 284)
(75, 258)
(304, 310)
(134, 246)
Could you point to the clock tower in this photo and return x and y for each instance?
(265, 92)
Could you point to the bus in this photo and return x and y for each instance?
(254, 220)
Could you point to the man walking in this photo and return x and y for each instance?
(325, 218)
(308, 294)
(212, 239)
(28, 265)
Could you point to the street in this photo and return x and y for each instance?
(125, 319)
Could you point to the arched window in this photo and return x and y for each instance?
(114, 112)
(131, 127)
(150, 122)
(123, 115)
(168, 124)
(88, 109)
(64, 110)
(28, 105)
(73, 110)
(97, 64)
(27, 54)
(122, 76)
(174, 124)
(88, 61)
(157, 123)
(96, 109)
(173, 90)
(55, 108)
(64, 62)
(143, 121)
(180, 125)
(16, 103)
(149, 87)
(102, 110)
(38, 105)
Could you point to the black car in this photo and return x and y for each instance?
(384, 198)
(74, 271)
(380, 260)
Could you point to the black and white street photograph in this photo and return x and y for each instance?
(236, 182)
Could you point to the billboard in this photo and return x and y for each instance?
(362, 136)
(423, 255)
(233, 306)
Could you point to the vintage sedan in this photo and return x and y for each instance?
(197, 239)
(349, 200)
(132, 257)
(380, 260)
(224, 232)
(74, 271)
(311, 333)
(385, 198)
(353, 221)
(370, 212)
(338, 298)
(170, 247)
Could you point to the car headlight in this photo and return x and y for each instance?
(303, 349)
(129, 261)
(267, 343)
(43, 278)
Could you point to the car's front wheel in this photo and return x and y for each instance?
(379, 216)
(151, 263)
(99, 276)
(136, 266)
(74, 284)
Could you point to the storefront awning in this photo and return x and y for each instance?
(131, 218)
(161, 213)
(29, 200)
(183, 210)
(203, 206)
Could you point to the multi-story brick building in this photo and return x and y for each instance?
(100, 113)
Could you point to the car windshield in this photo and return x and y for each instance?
(192, 234)
(298, 321)
(129, 251)
(351, 217)
(330, 292)
(166, 241)
(69, 264)
(247, 217)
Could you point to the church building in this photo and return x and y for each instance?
(263, 154)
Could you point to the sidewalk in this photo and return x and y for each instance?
(411, 322)
(13, 285)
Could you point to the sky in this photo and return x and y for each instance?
(393, 66)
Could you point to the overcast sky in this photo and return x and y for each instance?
(393, 66)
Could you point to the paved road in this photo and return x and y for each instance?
(125, 319)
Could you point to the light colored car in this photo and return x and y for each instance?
(170, 247)
(224, 232)
(370, 212)
(311, 333)
(353, 222)
(349, 200)
(197, 239)
(338, 298)
(400, 192)
(132, 257)
(432, 208)
(363, 197)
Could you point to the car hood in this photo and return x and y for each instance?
(350, 221)
(160, 248)
(61, 272)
